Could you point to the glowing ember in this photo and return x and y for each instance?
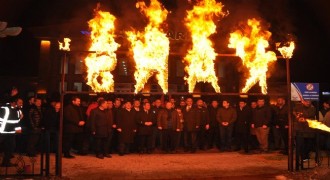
(251, 48)
(287, 51)
(100, 64)
(151, 47)
(317, 125)
(200, 58)
(66, 45)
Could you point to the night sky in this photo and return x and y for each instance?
(307, 20)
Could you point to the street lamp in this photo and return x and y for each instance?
(287, 52)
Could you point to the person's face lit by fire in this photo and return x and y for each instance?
(117, 103)
(110, 104)
(261, 102)
(38, 102)
(253, 105)
(168, 105)
(136, 104)
(19, 103)
(146, 106)
(200, 103)
(225, 104)
(242, 104)
(189, 102)
(128, 105)
(76, 102)
(158, 103)
(57, 106)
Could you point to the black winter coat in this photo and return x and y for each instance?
(190, 120)
(101, 122)
(243, 121)
(141, 118)
(127, 123)
(72, 115)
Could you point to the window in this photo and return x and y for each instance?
(122, 67)
(78, 67)
(77, 86)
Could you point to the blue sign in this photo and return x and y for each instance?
(305, 91)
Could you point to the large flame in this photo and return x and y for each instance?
(101, 63)
(151, 47)
(251, 48)
(66, 45)
(200, 58)
(287, 51)
(317, 125)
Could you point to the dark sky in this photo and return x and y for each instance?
(307, 20)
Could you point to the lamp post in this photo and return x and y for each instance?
(290, 139)
(60, 133)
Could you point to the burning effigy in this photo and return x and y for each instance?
(250, 44)
(200, 58)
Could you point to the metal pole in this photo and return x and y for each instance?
(60, 133)
(290, 140)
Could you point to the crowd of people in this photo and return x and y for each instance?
(106, 126)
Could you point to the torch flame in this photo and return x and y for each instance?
(317, 125)
(151, 47)
(200, 58)
(100, 64)
(66, 46)
(287, 51)
(251, 48)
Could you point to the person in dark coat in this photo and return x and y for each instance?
(191, 126)
(305, 136)
(242, 126)
(168, 123)
(156, 135)
(226, 117)
(117, 106)
(261, 122)
(51, 124)
(101, 127)
(36, 115)
(203, 116)
(214, 136)
(145, 123)
(282, 122)
(127, 128)
(73, 125)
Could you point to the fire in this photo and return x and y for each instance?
(151, 47)
(287, 51)
(66, 46)
(100, 64)
(200, 58)
(251, 48)
(317, 125)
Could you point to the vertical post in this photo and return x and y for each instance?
(60, 133)
(290, 140)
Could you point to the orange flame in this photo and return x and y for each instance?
(151, 47)
(200, 58)
(287, 51)
(251, 48)
(100, 64)
(66, 45)
(317, 125)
